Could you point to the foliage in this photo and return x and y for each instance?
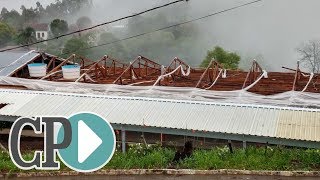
(229, 60)
(55, 47)
(116, 50)
(253, 158)
(60, 8)
(272, 158)
(6, 164)
(310, 55)
(29, 15)
(12, 18)
(84, 22)
(26, 36)
(76, 46)
(58, 27)
(6, 34)
(142, 157)
(162, 45)
(66, 7)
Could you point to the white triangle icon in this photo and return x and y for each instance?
(88, 141)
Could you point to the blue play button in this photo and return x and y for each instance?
(93, 143)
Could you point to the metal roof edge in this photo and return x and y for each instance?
(219, 135)
(161, 100)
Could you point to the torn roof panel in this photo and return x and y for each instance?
(10, 61)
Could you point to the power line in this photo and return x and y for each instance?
(93, 27)
(168, 27)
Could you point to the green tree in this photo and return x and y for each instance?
(229, 60)
(59, 27)
(163, 45)
(76, 46)
(26, 36)
(40, 10)
(116, 50)
(84, 22)
(12, 18)
(4, 11)
(65, 8)
(29, 15)
(6, 34)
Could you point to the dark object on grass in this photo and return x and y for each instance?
(185, 153)
(230, 146)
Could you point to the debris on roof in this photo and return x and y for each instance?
(145, 72)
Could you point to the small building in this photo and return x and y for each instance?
(42, 31)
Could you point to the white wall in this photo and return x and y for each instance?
(43, 35)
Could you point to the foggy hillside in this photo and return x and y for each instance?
(271, 29)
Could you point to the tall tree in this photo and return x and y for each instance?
(4, 11)
(73, 6)
(76, 46)
(66, 7)
(162, 45)
(59, 27)
(229, 60)
(12, 18)
(310, 55)
(40, 10)
(27, 36)
(29, 15)
(6, 34)
(116, 50)
(84, 22)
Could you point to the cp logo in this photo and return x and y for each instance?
(85, 142)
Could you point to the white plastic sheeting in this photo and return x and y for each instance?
(310, 79)
(172, 72)
(215, 81)
(291, 98)
(263, 75)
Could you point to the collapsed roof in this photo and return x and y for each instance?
(146, 72)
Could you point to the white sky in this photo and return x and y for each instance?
(16, 4)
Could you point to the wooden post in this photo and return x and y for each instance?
(161, 138)
(123, 141)
(230, 146)
(244, 145)
(146, 64)
(139, 68)
(296, 77)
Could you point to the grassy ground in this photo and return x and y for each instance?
(139, 157)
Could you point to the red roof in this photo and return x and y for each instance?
(40, 27)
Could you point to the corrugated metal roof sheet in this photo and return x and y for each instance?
(266, 121)
(10, 61)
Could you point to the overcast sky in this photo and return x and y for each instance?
(272, 28)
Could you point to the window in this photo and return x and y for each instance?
(2, 105)
(38, 35)
(43, 34)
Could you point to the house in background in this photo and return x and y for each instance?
(42, 31)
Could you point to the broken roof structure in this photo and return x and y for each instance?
(145, 72)
(256, 106)
(10, 61)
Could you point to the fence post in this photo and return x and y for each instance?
(123, 141)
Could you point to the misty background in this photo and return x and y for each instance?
(269, 31)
